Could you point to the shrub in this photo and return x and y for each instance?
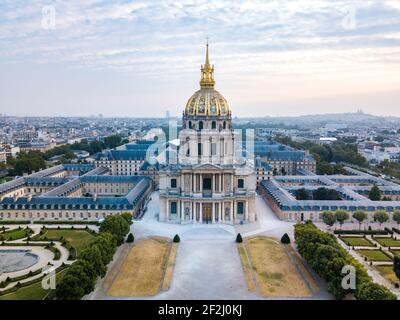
(177, 239)
(130, 238)
(239, 238)
(285, 239)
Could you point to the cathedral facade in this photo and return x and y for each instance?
(211, 182)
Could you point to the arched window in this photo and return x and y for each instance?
(201, 125)
(190, 124)
(213, 125)
(224, 124)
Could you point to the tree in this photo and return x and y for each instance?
(176, 239)
(239, 238)
(301, 194)
(131, 238)
(117, 226)
(373, 291)
(285, 239)
(360, 216)
(375, 193)
(341, 216)
(396, 216)
(127, 216)
(324, 168)
(93, 256)
(329, 218)
(396, 265)
(381, 217)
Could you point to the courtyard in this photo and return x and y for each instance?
(208, 264)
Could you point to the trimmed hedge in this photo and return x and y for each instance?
(14, 222)
(396, 230)
(369, 232)
(6, 282)
(96, 223)
(389, 230)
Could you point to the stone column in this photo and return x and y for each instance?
(213, 212)
(195, 182)
(182, 211)
(220, 182)
(201, 182)
(234, 210)
(232, 186)
(246, 211)
(231, 212)
(168, 208)
(220, 212)
(201, 212)
(213, 183)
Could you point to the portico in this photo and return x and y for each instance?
(206, 211)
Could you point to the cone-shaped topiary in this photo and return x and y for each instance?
(285, 239)
(131, 238)
(239, 238)
(177, 239)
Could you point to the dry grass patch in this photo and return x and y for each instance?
(143, 269)
(275, 273)
(310, 279)
(246, 268)
(170, 266)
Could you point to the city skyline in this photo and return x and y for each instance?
(140, 59)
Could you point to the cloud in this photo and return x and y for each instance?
(248, 39)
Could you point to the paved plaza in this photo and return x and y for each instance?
(207, 265)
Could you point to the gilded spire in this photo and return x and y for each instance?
(207, 73)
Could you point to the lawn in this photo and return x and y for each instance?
(357, 241)
(15, 234)
(374, 255)
(275, 273)
(143, 270)
(388, 273)
(79, 239)
(387, 242)
(31, 292)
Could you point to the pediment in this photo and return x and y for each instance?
(207, 166)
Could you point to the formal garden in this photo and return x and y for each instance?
(87, 256)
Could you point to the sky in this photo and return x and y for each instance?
(142, 58)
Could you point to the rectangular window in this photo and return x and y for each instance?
(240, 207)
(173, 208)
(173, 183)
(240, 183)
(199, 149)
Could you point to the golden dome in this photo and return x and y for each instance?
(207, 101)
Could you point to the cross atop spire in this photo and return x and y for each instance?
(207, 72)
